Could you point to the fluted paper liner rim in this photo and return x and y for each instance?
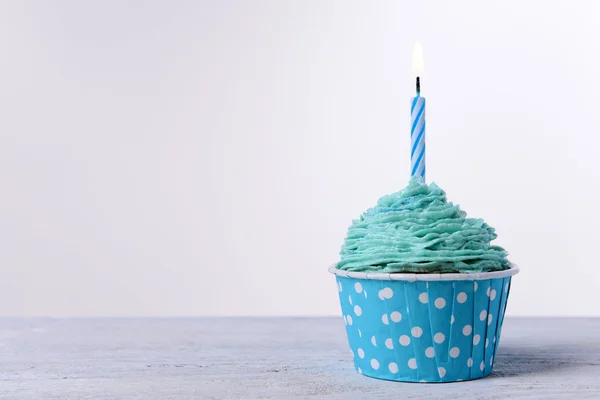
(390, 276)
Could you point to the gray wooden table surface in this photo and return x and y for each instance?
(269, 358)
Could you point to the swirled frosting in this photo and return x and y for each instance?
(418, 230)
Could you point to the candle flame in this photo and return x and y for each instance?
(417, 61)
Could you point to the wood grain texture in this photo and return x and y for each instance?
(270, 358)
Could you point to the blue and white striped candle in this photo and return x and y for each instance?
(417, 118)
(417, 136)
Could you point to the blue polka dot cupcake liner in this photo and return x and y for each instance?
(424, 327)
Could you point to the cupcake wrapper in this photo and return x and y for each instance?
(423, 331)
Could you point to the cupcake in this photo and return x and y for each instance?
(422, 290)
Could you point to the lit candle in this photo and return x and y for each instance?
(417, 117)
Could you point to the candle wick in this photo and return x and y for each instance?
(418, 86)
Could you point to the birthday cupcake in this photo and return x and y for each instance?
(422, 289)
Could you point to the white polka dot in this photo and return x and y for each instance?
(404, 340)
(423, 381)
(482, 315)
(439, 337)
(467, 330)
(430, 352)
(386, 293)
(393, 367)
(493, 294)
(395, 316)
(358, 287)
(462, 297)
(359, 370)
(350, 299)
(384, 319)
(487, 342)
(357, 310)
(389, 344)
(454, 352)
(452, 319)
(349, 318)
(487, 292)
(365, 294)
(345, 321)
(475, 286)
(442, 371)
(506, 288)
(359, 333)
(373, 341)
(423, 298)
(494, 339)
(489, 319)
(375, 364)
(470, 362)
(361, 353)
(476, 340)
(416, 331)
(482, 366)
(340, 287)
(412, 363)
(440, 302)
(491, 360)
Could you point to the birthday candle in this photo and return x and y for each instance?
(417, 117)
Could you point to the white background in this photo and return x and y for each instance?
(206, 157)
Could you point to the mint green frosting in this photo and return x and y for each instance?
(418, 230)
